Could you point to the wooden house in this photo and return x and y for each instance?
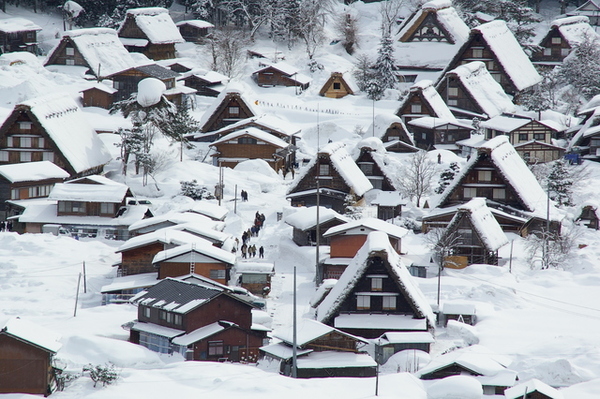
(565, 34)
(209, 209)
(389, 204)
(254, 276)
(471, 91)
(280, 74)
(522, 129)
(304, 223)
(435, 21)
(474, 361)
(590, 9)
(206, 83)
(199, 320)
(586, 140)
(499, 174)
(392, 132)
(474, 236)
(434, 133)
(138, 252)
(337, 86)
(52, 128)
(534, 152)
(196, 258)
(371, 161)
(463, 312)
(423, 100)
(194, 30)
(251, 143)
(179, 65)
(589, 217)
(172, 219)
(376, 294)
(98, 50)
(99, 95)
(494, 45)
(150, 31)
(336, 175)
(123, 288)
(391, 343)
(229, 107)
(126, 81)
(28, 180)
(18, 34)
(323, 351)
(26, 358)
(532, 389)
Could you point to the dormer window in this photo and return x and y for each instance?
(25, 125)
(376, 284)
(556, 40)
(70, 51)
(323, 169)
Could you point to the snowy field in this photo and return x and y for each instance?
(546, 322)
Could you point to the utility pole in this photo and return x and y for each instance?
(235, 201)
(294, 336)
(84, 280)
(77, 296)
(318, 277)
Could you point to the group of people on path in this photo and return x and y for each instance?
(249, 251)
(244, 195)
(6, 226)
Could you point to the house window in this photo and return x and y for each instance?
(376, 284)
(539, 136)
(366, 168)
(70, 62)
(484, 175)
(25, 156)
(169, 317)
(497, 77)
(3, 156)
(73, 206)
(389, 303)
(155, 342)
(363, 302)
(337, 86)
(147, 312)
(491, 65)
(477, 53)
(453, 91)
(217, 274)
(162, 315)
(234, 110)
(564, 52)
(556, 40)
(547, 52)
(107, 208)
(323, 169)
(14, 193)
(25, 142)
(415, 108)
(452, 102)
(117, 85)
(215, 348)
(523, 136)
(48, 156)
(246, 140)
(25, 125)
(177, 319)
(41, 142)
(424, 136)
(499, 193)
(469, 192)
(10, 142)
(69, 51)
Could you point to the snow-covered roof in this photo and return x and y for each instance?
(333, 359)
(464, 308)
(69, 191)
(575, 30)
(446, 16)
(267, 121)
(199, 248)
(156, 329)
(201, 333)
(485, 224)
(32, 333)
(253, 132)
(157, 25)
(196, 23)
(392, 322)
(32, 171)
(142, 280)
(483, 88)
(168, 237)
(504, 123)
(255, 267)
(209, 209)
(429, 122)
(377, 243)
(434, 100)
(509, 53)
(456, 387)
(101, 49)
(343, 163)
(381, 124)
(173, 218)
(17, 24)
(306, 218)
(389, 198)
(291, 71)
(372, 224)
(307, 331)
(283, 351)
(231, 89)
(530, 386)
(68, 128)
(405, 337)
(203, 231)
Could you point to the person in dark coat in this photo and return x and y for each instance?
(261, 252)
(244, 250)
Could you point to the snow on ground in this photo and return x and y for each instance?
(545, 321)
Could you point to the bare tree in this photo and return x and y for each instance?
(228, 47)
(346, 25)
(442, 242)
(389, 11)
(311, 25)
(418, 176)
(548, 249)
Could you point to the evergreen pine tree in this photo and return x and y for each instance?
(385, 65)
(446, 177)
(179, 125)
(560, 183)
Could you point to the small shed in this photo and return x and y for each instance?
(460, 311)
(229, 107)
(389, 204)
(590, 9)
(336, 86)
(18, 34)
(535, 151)
(99, 95)
(393, 342)
(565, 34)
(26, 358)
(281, 74)
(589, 217)
(532, 389)
(304, 222)
(254, 276)
(194, 30)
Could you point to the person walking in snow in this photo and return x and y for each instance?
(244, 250)
(261, 252)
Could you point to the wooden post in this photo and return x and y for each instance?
(84, 280)
(294, 336)
(77, 295)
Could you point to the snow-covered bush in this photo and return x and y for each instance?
(194, 191)
(106, 374)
